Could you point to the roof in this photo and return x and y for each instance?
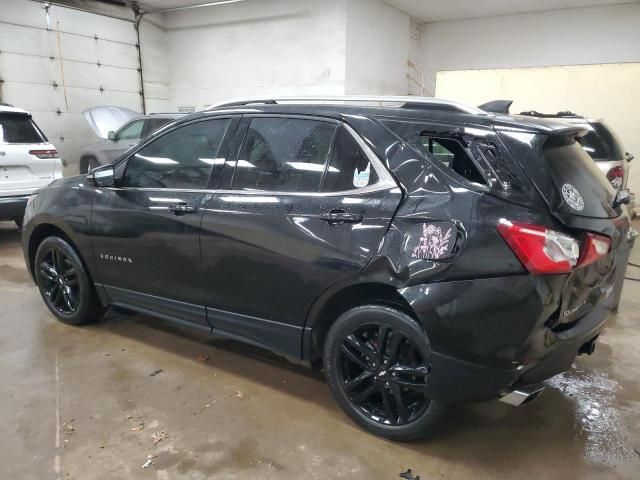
(4, 108)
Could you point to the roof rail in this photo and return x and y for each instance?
(567, 114)
(405, 101)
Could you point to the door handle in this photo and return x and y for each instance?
(335, 217)
(182, 209)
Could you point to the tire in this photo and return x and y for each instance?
(366, 388)
(64, 283)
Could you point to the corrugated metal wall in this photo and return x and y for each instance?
(57, 62)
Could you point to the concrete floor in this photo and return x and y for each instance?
(79, 403)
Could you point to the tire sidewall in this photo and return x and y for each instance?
(346, 324)
(85, 289)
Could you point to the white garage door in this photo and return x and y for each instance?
(609, 91)
(58, 62)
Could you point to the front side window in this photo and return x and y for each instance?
(132, 131)
(350, 167)
(284, 155)
(181, 158)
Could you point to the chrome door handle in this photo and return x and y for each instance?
(182, 209)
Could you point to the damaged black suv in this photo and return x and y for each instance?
(420, 250)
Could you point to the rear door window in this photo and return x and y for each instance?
(17, 128)
(154, 124)
(283, 155)
(350, 167)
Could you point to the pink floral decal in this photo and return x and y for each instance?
(433, 243)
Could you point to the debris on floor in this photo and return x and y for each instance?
(239, 394)
(159, 436)
(202, 358)
(155, 372)
(149, 461)
(139, 426)
(409, 476)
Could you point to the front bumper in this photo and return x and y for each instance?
(489, 336)
(12, 208)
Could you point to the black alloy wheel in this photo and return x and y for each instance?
(376, 360)
(59, 281)
(383, 374)
(64, 283)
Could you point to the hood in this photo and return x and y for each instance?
(102, 120)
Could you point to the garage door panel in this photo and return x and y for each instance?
(91, 51)
(18, 39)
(91, 24)
(26, 68)
(23, 13)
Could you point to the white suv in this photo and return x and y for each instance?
(27, 161)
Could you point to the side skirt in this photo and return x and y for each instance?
(276, 336)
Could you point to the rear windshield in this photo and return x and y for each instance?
(601, 143)
(18, 128)
(573, 171)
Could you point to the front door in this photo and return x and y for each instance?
(306, 209)
(145, 232)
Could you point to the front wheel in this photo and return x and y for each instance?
(376, 360)
(64, 283)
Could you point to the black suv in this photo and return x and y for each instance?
(420, 250)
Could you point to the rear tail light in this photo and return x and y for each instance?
(541, 251)
(616, 177)
(44, 153)
(595, 247)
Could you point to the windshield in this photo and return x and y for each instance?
(601, 143)
(19, 128)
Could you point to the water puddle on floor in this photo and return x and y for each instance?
(597, 423)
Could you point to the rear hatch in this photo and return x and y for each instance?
(27, 160)
(579, 196)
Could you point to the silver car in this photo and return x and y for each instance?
(120, 130)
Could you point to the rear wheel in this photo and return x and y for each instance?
(376, 360)
(64, 283)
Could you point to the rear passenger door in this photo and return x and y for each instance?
(303, 205)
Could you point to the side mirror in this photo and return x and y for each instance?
(628, 157)
(104, 176)
(112, 135)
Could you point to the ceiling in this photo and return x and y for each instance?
(440, 10)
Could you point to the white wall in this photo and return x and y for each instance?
(592, 35)
(377, 49)
(266, 47)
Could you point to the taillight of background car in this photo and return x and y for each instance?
(44, 153)
(616, 177)
(543, 251)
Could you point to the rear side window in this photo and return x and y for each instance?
(448, 151)
(350, 167)
(16, 128)
(181, 158)
(284, 155)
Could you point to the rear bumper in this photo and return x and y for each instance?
(13, 207)
(489, 336)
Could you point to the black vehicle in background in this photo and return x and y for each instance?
(421, 251)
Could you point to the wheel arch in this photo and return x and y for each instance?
(329, 307)
(85, 158)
